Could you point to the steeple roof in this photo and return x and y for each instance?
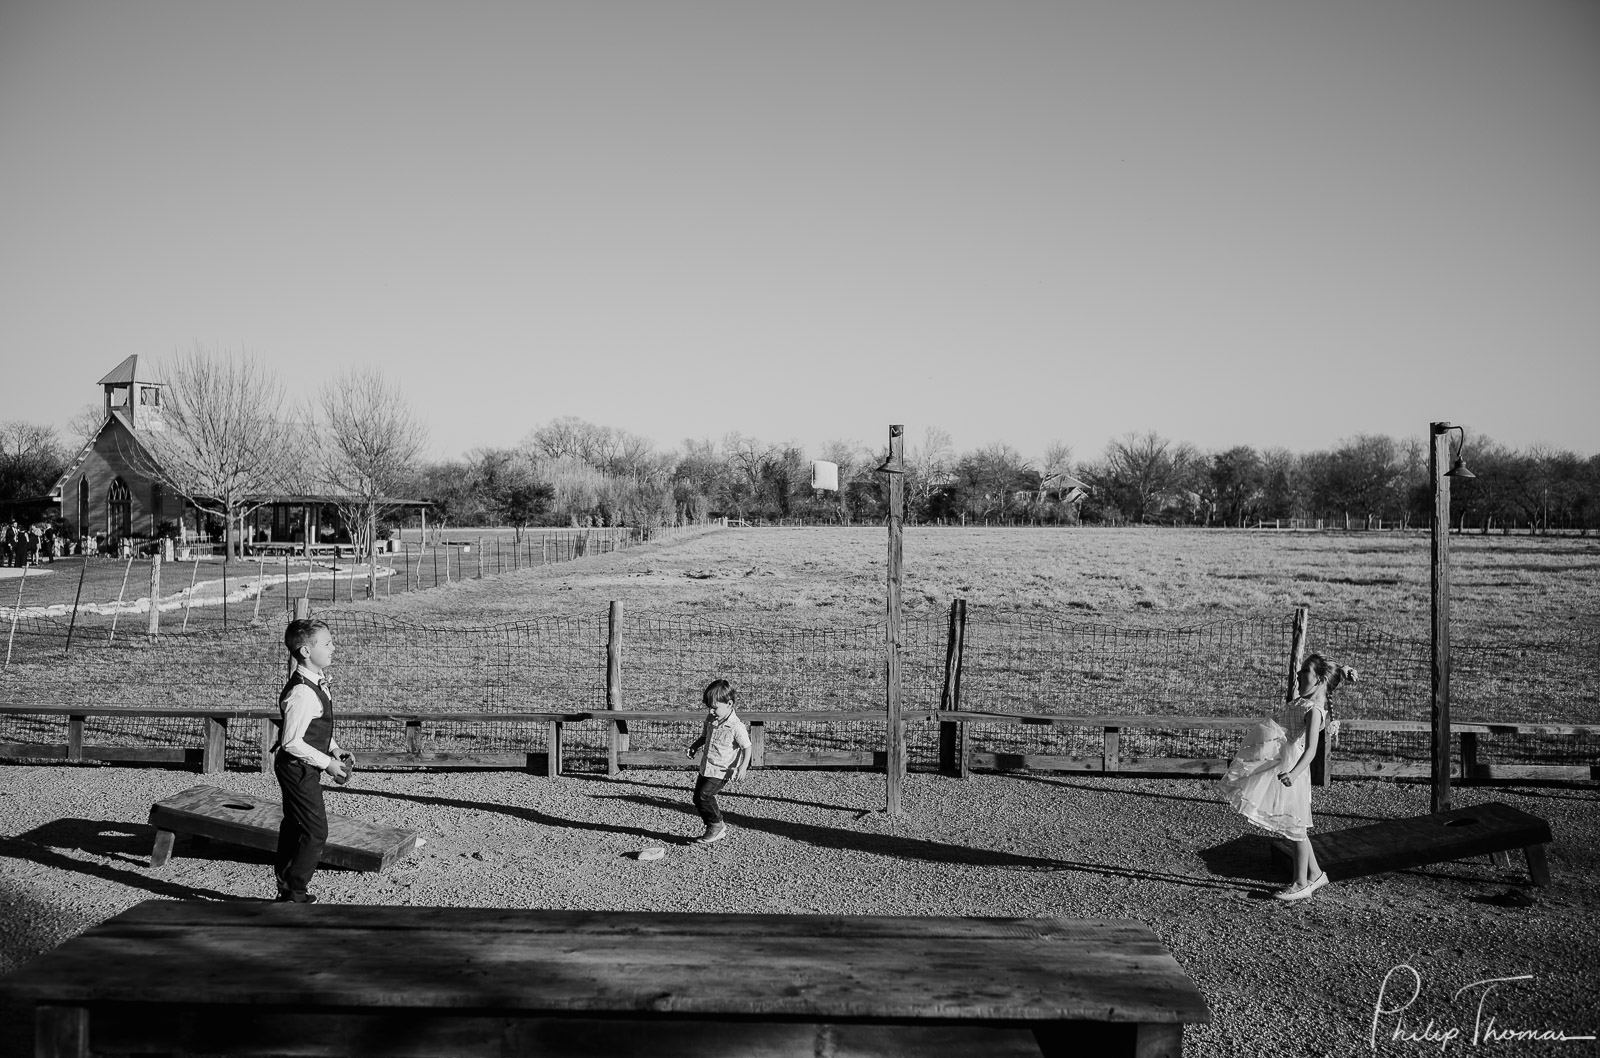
(127, 373)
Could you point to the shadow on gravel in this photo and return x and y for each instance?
(1246, 856)
(527, 815)
(33, 850)
(1218, 801)
(687, 787)
(1070, 785)
(835, 839)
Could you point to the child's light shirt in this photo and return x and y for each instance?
(302, 707)
(724, 739)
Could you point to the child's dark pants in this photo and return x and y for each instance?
(305, 826)
(705, 799)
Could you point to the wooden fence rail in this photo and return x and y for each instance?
(210, 754)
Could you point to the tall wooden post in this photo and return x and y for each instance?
(896, 755)
(155, 594)
(953, 736)
(619, 729)
(1438, 461)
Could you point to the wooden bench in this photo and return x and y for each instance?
(203, 977)
(1491, 829)
(239, 819)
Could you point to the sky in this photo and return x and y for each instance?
(1262, 222)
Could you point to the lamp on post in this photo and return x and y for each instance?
(1438, 459)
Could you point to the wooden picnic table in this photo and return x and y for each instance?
(318, 979)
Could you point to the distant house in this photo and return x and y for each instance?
(1063, 488)
(109, 489)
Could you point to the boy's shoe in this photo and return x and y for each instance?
(296, 898)
(716, 833)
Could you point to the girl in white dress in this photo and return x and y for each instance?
(1268, 781)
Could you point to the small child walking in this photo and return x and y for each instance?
(724, 748)
(1268, 782)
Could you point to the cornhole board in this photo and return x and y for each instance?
(223, 815)
(1492, 829)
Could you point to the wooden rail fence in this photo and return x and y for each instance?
(210, 754)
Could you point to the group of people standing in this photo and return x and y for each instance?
(24, 545)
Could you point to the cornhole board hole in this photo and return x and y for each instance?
(1492, 829)
(209, 812)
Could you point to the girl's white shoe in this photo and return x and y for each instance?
(1299, 891)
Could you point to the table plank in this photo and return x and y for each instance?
(790, 967)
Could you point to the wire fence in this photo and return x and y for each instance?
(91, 598)
(1008, 662)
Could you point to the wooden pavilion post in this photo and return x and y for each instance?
(894, 466)
(1438, 461)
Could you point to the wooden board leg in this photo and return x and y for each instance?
(162, 850)
(1538, 869)
(1501, 858)
(1159, 1041)
(60, 1032)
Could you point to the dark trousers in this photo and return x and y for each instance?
(305, 825)
(705, 799)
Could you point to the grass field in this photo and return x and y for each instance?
(1511, 587)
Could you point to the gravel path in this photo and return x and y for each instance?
(1286, 979)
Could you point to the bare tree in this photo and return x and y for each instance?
(1057, 459)
(225, 443)
(931, 464)
(370, 445)
(30, 460)
(86, 422)
(1142, 473)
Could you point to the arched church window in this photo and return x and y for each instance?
(119, 510)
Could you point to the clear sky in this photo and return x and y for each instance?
(1265, 222)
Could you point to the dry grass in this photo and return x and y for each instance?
(1503, 587)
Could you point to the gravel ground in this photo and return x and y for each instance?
(1291, 979)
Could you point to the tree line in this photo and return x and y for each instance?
(232, 440)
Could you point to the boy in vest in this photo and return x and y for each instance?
(306, 750)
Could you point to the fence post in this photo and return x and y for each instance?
(75, 737)
(953, 735)
(1111, 749)
(480, 558)
(214, 753)
(83, 571)
(1469, 754)
(552, 741)
(16, 612)
(154, 626)
(895, 762)
(619, 729)
(120, 595)
(758, 744)
(267, 736)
